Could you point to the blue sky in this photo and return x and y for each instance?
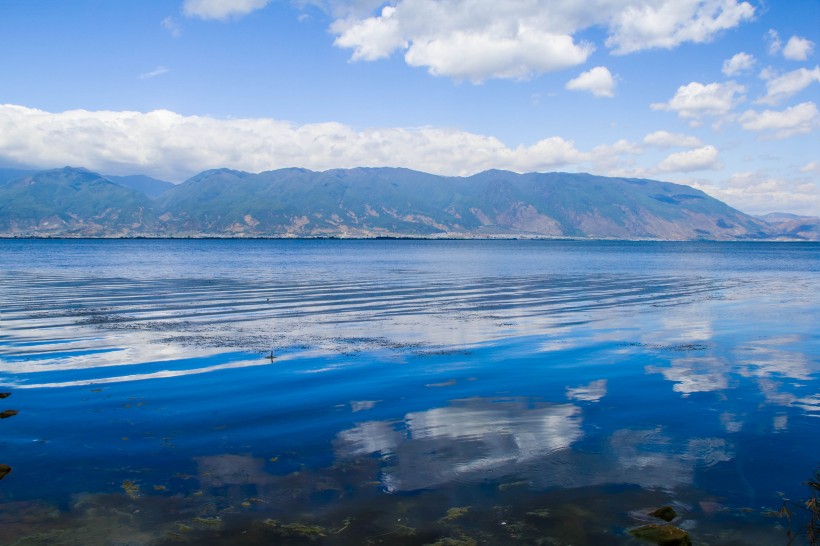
(719, 94)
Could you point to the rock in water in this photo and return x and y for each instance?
(664, 535)
(666, 513)
(4, 470)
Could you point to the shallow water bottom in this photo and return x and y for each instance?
(334, 507)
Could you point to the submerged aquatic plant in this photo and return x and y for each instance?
(131, 489)
(664, 535)
(295, 529)
(455, 513)
(811, 507)
(5, 469)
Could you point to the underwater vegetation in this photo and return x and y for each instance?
(807, 511)
(238, 500)
(5, 469)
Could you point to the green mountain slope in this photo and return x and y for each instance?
(370, 202)
(794, 226)
(8, 174)
(151, 187)
(72, 201)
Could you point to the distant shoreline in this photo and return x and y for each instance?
(389, 238)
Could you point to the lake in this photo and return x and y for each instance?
(405, 392)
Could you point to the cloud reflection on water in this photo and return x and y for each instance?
(469, 437)
(478, 438)
(592, 392)
(694, 374)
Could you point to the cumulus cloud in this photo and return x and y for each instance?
(796, 120)
(757, 192)
(516, 39)
(474, 45)
(171, 146)
(775, 44)
(665, 139)
(371, 39)
(667, 24)
(598, 81)
(221, 9)
(779, 88)
(518, 55)
(798, 48)
(158, 71)
(616, 159)
(740, 62)
(699, 159)
(696, 100)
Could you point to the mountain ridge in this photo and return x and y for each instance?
(58, 202)
(375, 202)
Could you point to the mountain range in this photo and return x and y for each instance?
(374, 202)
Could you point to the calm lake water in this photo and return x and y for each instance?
(405, 392)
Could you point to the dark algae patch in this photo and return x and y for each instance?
(663, 535)
(5, 469)
(666, 513)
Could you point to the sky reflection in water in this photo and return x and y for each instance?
(689, 371)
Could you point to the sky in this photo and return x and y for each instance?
(721, 95)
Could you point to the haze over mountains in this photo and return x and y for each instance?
(372, 202)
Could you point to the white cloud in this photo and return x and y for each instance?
(665, 139)
(811, 167)
(371, 39)
(221, 9)
(775, 45)
(516, 39)
(172, 146)
(699, 159)
(795, 120)
(740, 62)
(667, 24)
(798, 49)
(171, 25)
(474, 46)
(598, 81)
(760, 193)
(616, 159)
(519, 55)
(158, 71)
(782, 87)
(767, 73)
(695, 100)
